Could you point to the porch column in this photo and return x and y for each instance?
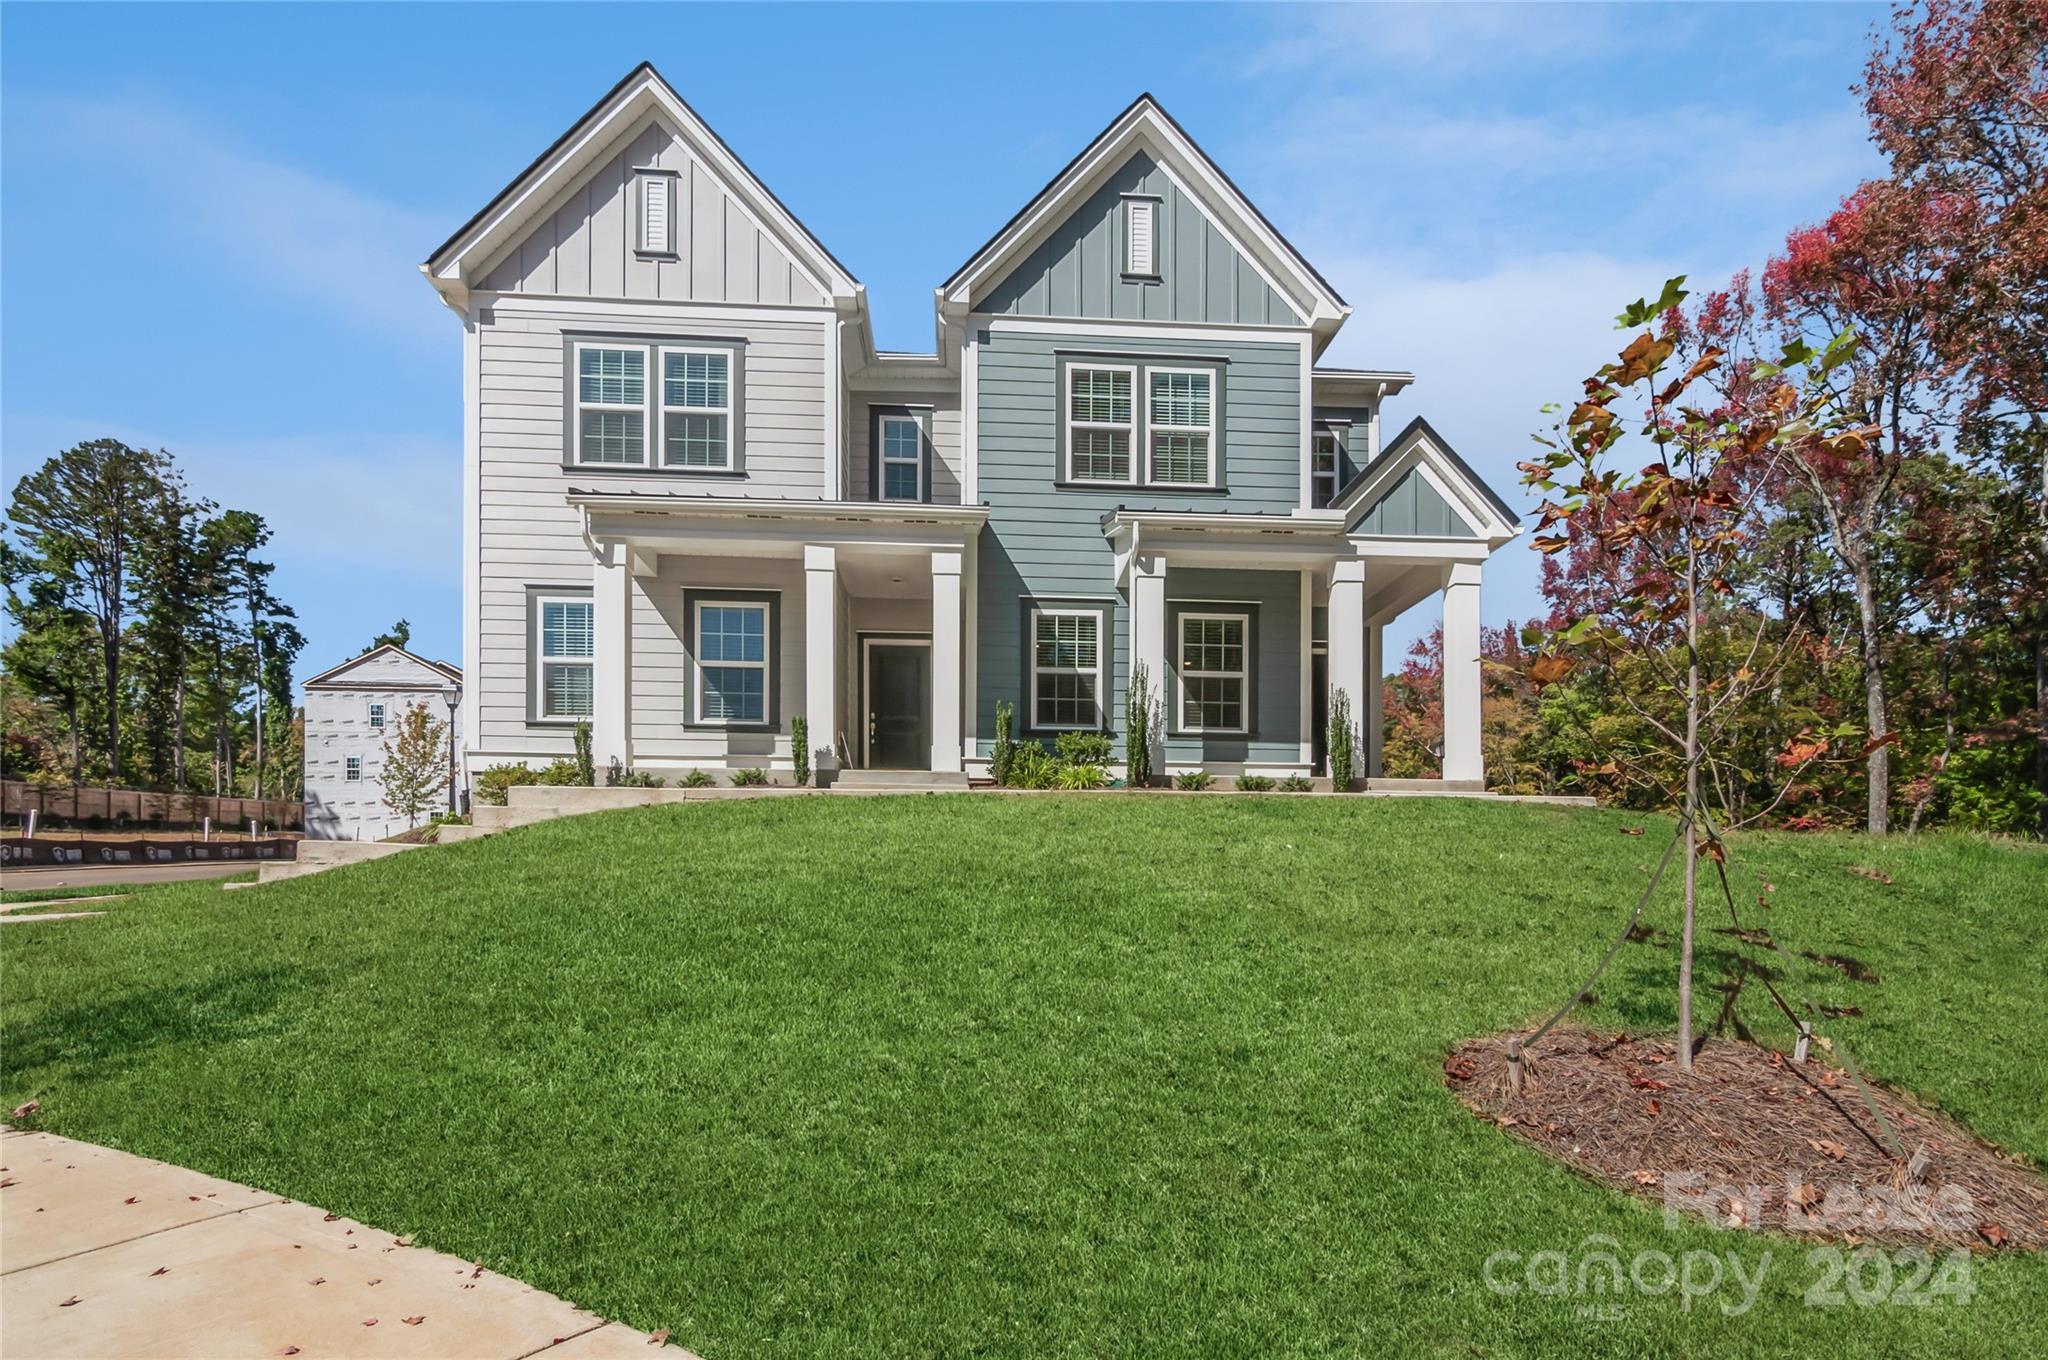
(611, 671)
(1461, 673)
(946, 661)
(1346, 645)
(1375, 704)
(821, 654)
(1148, 642)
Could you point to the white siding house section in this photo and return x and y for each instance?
(340, 727)
(585, 243)
(527, 535)
(945, 434)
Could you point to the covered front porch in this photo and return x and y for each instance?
(719, 623)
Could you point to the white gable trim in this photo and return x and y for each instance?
(642, 98)
(1145, 126)
(441, 677)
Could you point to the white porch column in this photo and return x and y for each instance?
(1346, 645)
(1374, 740)
(821, 653)
(946, 661)
(1148, 642)
(1461, 673)
(611, 671)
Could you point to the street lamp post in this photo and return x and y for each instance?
(451, 696)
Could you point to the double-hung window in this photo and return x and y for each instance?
(1322, 469)
(611, 404)
(376, 717)
(352, 769)
(696, 408)
(1212, 672)
(565, 647)
(732, 662)
(899, 455)
(1101, 422)
(1181, 425)
(1066, 669)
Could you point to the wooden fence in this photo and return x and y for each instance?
(69, 805)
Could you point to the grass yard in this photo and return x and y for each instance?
(1011, 1076)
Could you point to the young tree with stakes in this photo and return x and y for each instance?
(415, 769)
(1669, 539)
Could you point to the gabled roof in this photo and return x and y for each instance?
(1146, 122)
(332, 675)
(1419, 445)
(460, 260)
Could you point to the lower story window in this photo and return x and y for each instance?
(1066, 668)
(1212, 672)
(732, 662)
(353, 769)
(565, 649)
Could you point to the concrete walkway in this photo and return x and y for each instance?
(105, 1254)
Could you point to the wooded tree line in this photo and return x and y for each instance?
(148, 648)
(1901, 588)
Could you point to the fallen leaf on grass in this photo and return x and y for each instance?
(1735, 1218)
(1645, 1177)
(1991, 1233)
(25, 1109)
(404, 1241)
(1805, 1196)
(329, 1218)
(1631, 831)
(1653, 1109)
(1649, 1084)
(1828, 1147)
(1874, 875)
(1460, 1067)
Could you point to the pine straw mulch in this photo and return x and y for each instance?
(1752, 1139)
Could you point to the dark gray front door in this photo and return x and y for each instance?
(899, 712)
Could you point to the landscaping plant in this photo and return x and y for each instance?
(1296, 783)
(1004, 754)
(1253, 783)
(1340, 737)
(800, 749)
(415, 771)
(586, 772)
(749, 778)
(493, 780)
(1138, 702)
(696, 779)
(1193, 781)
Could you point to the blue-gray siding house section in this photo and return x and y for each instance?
(1272, 600)
(1412, 508)
(1044, 543)
(1078, 271)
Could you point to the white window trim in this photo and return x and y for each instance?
(1130, 428)
(1133, 204)
(648, 181)
(661, 400)
(541, 659)
(352, 769)
(649, 375)
(1242, 675)
(698, 663)
(1208, 431)
(883, 459)
(1334, 475)
(1102, 644)
(376, 717)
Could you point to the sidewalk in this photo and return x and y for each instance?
(105, 1254)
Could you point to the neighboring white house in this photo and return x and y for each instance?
(349, 712)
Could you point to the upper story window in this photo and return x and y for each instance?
(1101, 421)
(1141, 238)
(732, 662)
(352, 769)
(657, 211)
(682, 399)
(565, 649)
(899, 456)
(1066, 669)
(1213, 674)
(1323, 469)
(696, 408)
(376, 717)
(611, 405)
(1181, 421)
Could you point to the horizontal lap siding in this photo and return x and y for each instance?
(1273, 600)
(860, 438)
(1045, 541)
(529, 535)
(661, 659)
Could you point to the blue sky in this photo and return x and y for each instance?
(213, 215)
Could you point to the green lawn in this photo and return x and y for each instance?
(1008, 1076)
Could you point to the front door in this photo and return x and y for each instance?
(899, 708)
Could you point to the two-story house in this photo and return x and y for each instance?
(698, 502)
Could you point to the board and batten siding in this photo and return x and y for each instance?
(1045, 541)
(584, 245)
(945, 436)
(528, 535)
(1412, 508)
(1077, 271)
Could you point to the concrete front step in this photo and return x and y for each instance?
(1425, 786)
(899, 781)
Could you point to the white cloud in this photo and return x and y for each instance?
(349, 253)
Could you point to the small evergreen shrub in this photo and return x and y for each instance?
(1341, 737)
(697, 779)
(493, 780)
(800, 749)
(1080, 777)
(642, 779)
(565, 772)
(1193, 781)
(1138, 728)
(1296, 783)
(1083, 748)
(751, 778)
(586, 773)
(1254, 783)
(1003, 758)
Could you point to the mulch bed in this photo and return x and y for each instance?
(1749, 1138)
